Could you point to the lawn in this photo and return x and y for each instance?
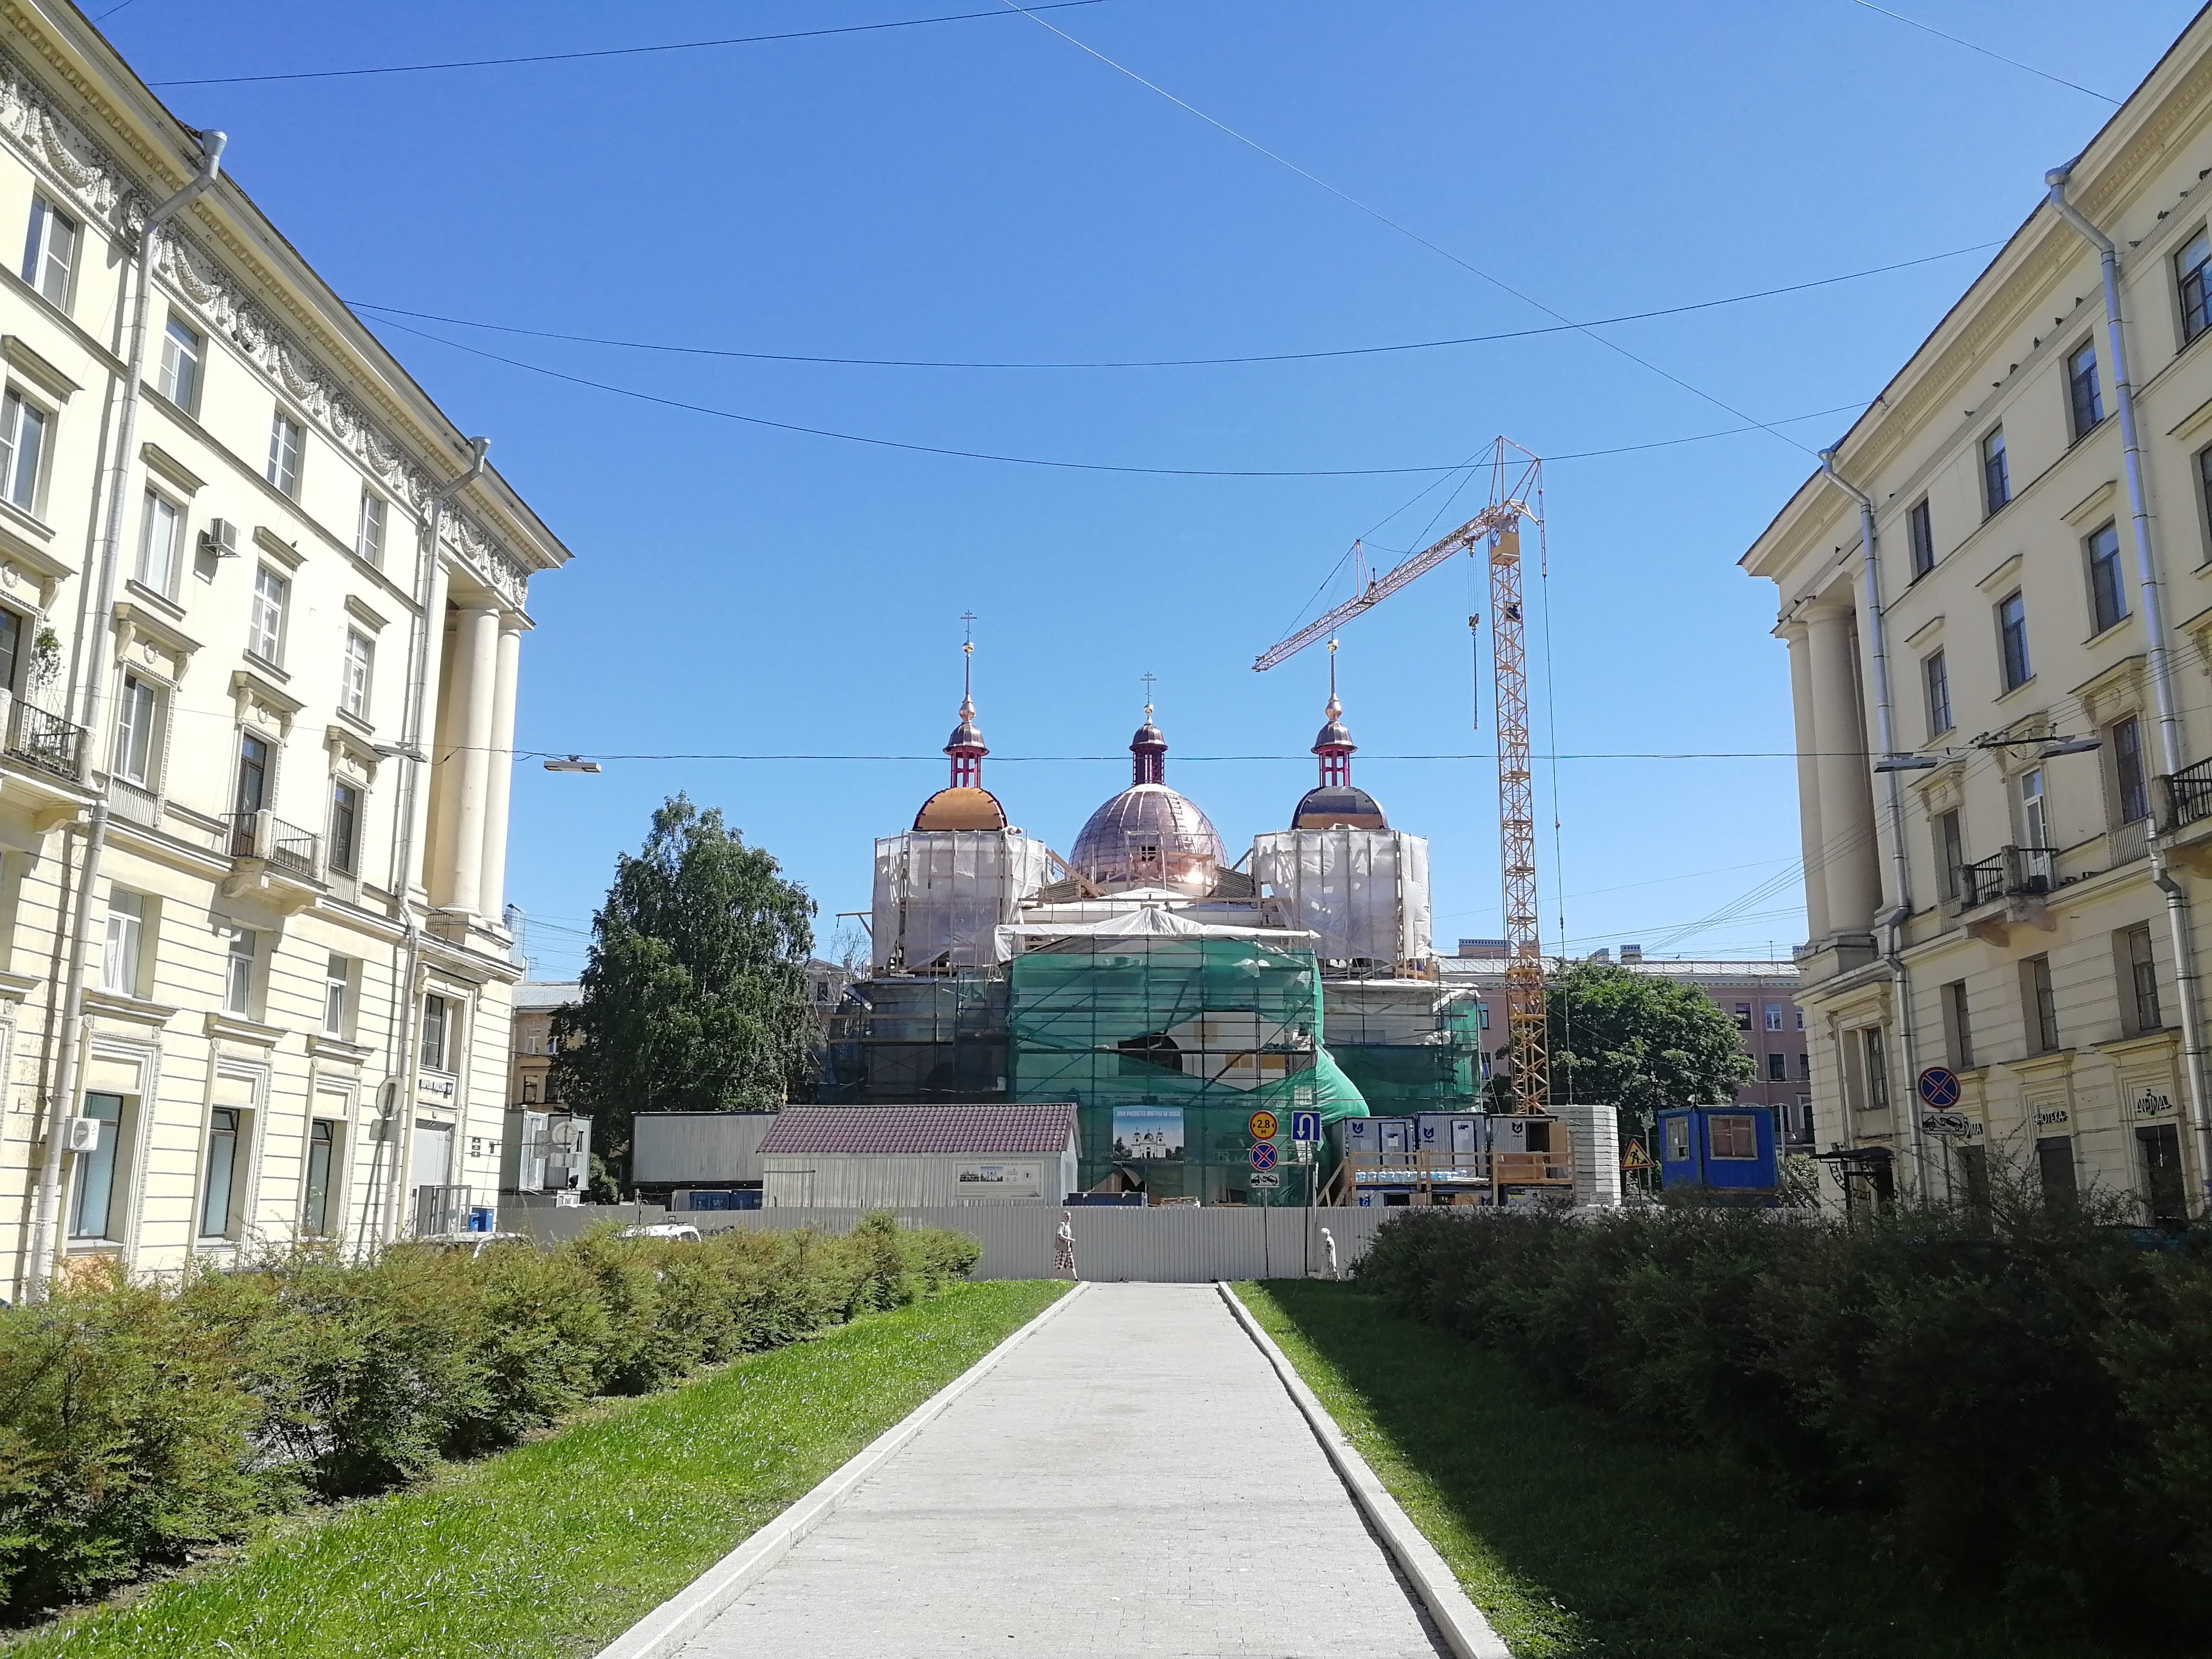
(555, 1547)
(1575, 1537)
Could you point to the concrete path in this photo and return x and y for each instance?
(1130, 1480)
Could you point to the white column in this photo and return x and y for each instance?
(1852, 867)
(425, 735)
(492, 890)
(459, 868)
(1808, 787)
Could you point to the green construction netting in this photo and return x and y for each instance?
(1169, 1047)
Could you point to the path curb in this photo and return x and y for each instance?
(1465, 1631)
(661, 1632)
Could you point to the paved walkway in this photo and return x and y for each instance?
(1130, 1480)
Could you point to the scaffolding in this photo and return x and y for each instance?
(939, 1040)
(1410, 1046)
(1169, 1048)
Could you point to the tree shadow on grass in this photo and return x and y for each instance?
(1576, 1538)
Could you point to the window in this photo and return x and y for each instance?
(126, 940)
(1773, 1015)
(1997, 474)
(159, 540)
(1959, 1026)
(1972, 1168)
(337, 986)
(368, 534)
(252, 776)
(1935, 674)
(1778, 1068)
(1877, 1069)
(345, 828)
(1743, 1017)
(1732, 1135)
(11, 646)
(92, 1207)
(179, 377)
(315, 1207)
(22, 446)
(2204, 481)
(1804, 1067)
(2142, 977)
(437, 1016)
(2083, 395)
(285, 438)
(2012, 642)
(239, 964)
(220, 1180)
(2041, 1005)
(353, 689)
(2054, 1164)
(1678, 1138)
(1920, 530)
(2108, 592)
(2192, 270)
(530, 1091)
(1800, 1019)
(2034, 812)
(1950, 855)
(137, 729)
(50, 250)
(264, 635)
(2131, 794)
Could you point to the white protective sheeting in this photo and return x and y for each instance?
(1365, 893)
(942, 895)
(1150, 922)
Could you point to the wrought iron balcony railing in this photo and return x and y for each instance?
(45, 741)
(281, 846)
(2186, 796)
(2013, 871)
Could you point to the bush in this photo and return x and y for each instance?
(139, 1423)
(2022, 1394)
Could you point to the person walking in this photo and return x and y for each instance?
(1063, 1246)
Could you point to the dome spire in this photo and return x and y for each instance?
(1148, 749)
(966, 746)
(1334, 745)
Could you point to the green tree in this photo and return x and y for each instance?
(1637, 1042)
(694, 993)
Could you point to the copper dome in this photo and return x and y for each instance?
(1148, 835)
(961, 808)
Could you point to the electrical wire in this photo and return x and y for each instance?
(603, 51)
(2059, 80)
(1158, 362)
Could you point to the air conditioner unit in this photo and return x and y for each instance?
(219, 539)
(81, 1135)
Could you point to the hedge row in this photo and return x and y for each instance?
(139, 1422)
(2022, 1397)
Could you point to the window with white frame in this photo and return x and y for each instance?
(437, 1031)
(337, 995)
(219, 1187)
(315, 1202)
(93, 1212)
(138, 732)
(22, 449)
(369, 533)
(51, 250)
(2192, 272)
(161, 540)
(242, 957)
(1773, 1015)
(359, 661)
(265, 634)
(121, 962)
(287, 437)
(179, 381)
(2034, 810)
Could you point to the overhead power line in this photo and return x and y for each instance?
(1162, 363)
(2046, 75)
(602, 51)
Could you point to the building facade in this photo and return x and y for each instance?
(261, 609)
(1997, 614)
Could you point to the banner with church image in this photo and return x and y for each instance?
(1142, 1133)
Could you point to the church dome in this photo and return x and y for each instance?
(961, 808)
(1338, 806)
(1148, 835)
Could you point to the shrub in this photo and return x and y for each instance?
(139, 1423)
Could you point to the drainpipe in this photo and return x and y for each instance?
(1892, 924)
(417, 759)
(2171, 752)
(38, 1268)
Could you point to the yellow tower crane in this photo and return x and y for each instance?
(1517, 492)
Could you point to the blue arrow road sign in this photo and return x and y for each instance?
(1939, 1086)
(1305, 1125)
(1263, 1154)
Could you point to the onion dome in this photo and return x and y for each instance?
(1336, 804)
(966, 804)
(1148, 835)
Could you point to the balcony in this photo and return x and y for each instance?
(280, 860)
(45, 741)
(2009, 889)
(2184, 816)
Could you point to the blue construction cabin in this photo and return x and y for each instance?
(1726, 1153)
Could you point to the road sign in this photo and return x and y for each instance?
(1637, 1158)
(1262, 1126)
(1939, 1086)
(1953, 1125)
(1263, 1154)
(1265, 1181)
(1305, 1125)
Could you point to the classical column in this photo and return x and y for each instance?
(1851, 860)
(468, 739)
(492, 889)
(425, 736)
(1808, 787)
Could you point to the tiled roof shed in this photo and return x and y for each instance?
(891, 1131)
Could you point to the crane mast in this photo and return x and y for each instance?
(1516, 482)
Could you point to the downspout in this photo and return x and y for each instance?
(45, 1213)
(2171, 752)
(1892, 923)
(399, 1123)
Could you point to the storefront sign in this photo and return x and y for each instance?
(2149, 1103)
(430, 1085)
(2050, 1117)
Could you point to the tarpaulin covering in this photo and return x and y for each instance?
(942, 895)
(1365, 893)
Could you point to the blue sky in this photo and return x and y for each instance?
(984, 190)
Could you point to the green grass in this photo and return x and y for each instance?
(555, 1547)
(1576, 1539)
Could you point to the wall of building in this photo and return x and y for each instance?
(833, 1180)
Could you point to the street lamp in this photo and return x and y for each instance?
(572, 763)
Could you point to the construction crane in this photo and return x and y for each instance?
(1517, 492)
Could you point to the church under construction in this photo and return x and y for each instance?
(1179, 999)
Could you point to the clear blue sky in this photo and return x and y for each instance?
(983, 190)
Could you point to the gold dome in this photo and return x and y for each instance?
(961, 808)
